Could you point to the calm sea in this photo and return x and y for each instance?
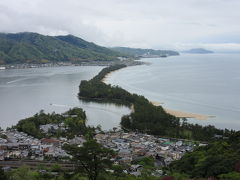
(202, 83)
(24, 92)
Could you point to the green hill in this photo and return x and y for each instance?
(36, 48)
(220, 159)
(144, 52)
(86, 45)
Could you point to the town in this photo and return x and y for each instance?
(123, 60)
(129, 146)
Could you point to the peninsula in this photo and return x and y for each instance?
(145, 117)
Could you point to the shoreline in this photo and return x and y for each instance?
(179, 114)
(104, 80)
(182, 114)
(62, 64)
(125, 62)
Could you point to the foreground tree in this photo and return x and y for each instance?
(2, 174)
(23, 173)
(219, 159)
(92, 158)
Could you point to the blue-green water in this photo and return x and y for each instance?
(204, 84)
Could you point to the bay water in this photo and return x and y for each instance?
(206, 84)
(24, 92)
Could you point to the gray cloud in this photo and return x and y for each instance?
(138, 23)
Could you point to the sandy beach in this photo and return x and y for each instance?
(104, 80)
(181, 114)
(187, 115)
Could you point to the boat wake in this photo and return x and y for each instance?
(17, 80)
(61, 105)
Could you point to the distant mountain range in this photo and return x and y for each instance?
(37, 48)
(137, 52)
(198, 51)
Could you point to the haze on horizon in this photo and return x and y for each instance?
(160, 24)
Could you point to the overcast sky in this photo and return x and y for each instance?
(160, 24)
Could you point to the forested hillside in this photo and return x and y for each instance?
(220, 159)
(36, 48)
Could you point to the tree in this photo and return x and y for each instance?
(230, 176)
(92, 158)
(2, 174)
(24, 173)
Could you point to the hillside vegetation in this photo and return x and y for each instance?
(74, 119)
(220, 159)
(36, 48)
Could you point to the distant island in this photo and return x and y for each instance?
(198, 51)
(138, 52)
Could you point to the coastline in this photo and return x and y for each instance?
(125, 62)
(182, 114)
(128, 62)
(104, 80)
(179, 114)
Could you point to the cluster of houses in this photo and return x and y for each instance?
(27, 65)
(134, 146)
(58, 64)
(19, 145)
(52, 128)
(130, 147)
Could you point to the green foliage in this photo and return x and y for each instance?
(56, 168)
(80, 43)
(118, 170)
(92, 158)
(127, 177)
(24, 173)
(3, 176)
(146, 162)
(95, 89)
(217, 158)
(36, 48)
(105, 71)
(75, 125)
(3, 136)
(178, 176)
(148, 166)
(74, 120)
(230, 176)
